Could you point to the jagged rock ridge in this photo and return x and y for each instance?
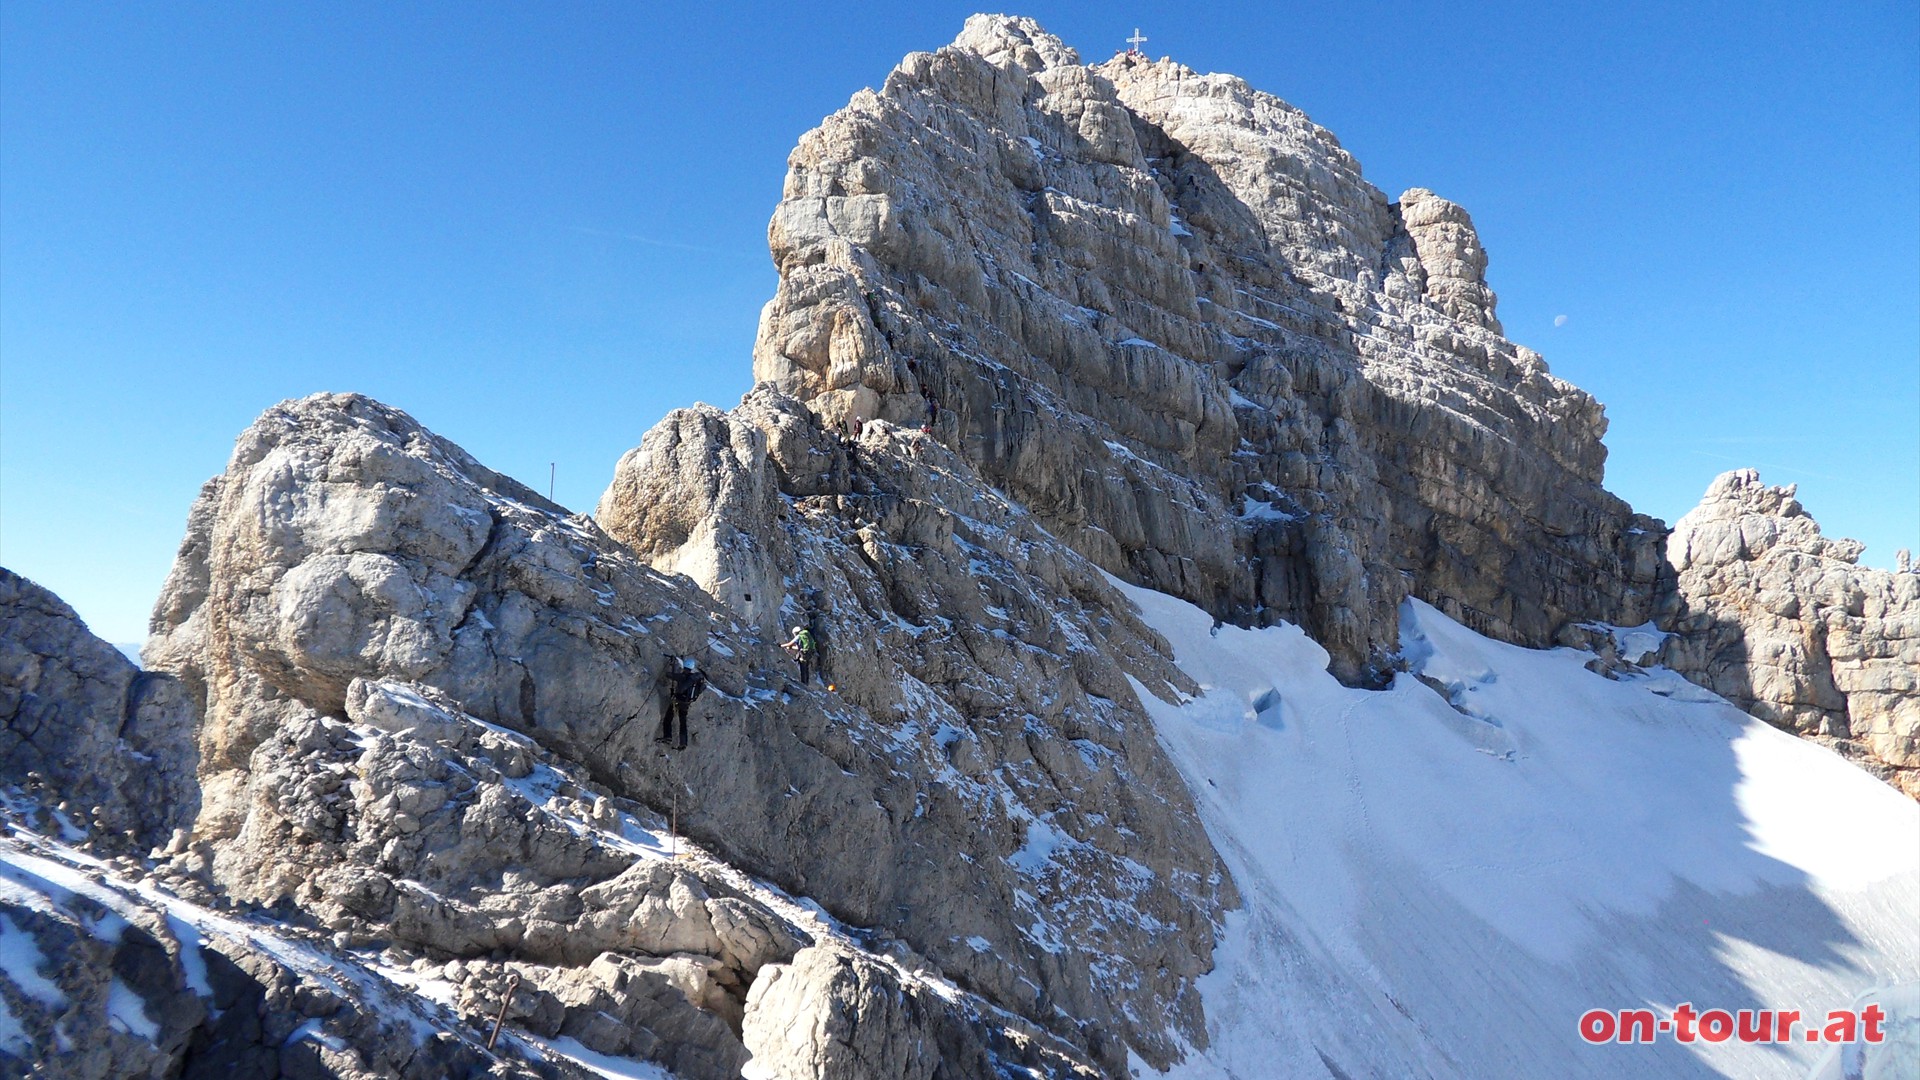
(112, 744)
(111, 968)
(131, 967)
(1167, 314)
(1785, 623)
(981, 786)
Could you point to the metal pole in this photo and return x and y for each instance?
(553, 470)
(512, 985)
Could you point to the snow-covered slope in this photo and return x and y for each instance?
(1442, 887)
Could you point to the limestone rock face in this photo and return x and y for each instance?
(1784, 623)
(1453, 265)
(111, 974)
(454, 841)
(1165, 313)
(420, 679)
(993, 656)
(108, 746)
(1038, 323)
(840, 1016)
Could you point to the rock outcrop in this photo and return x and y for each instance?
(1784, 623)
(111, 746)
(836, 1016)
(109, 975)
(108, 971)
(1164, 312)
(994, 652)
(385, 633)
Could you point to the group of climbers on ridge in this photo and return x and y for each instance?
(685, 682)
(930, 417)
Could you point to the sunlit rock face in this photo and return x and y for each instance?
(1039, 326)
(1786, 624)
(1164, 311)
(387, 638)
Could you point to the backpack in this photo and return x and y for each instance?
(688, 685)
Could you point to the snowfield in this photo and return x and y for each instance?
(1441, 886)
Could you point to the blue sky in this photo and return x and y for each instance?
(540, 227)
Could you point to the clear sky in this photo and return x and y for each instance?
(539, 227)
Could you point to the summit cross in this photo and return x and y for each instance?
(1138, 39)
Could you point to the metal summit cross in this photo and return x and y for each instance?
(1138, 39)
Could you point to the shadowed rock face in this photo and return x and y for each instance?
(982, 786)
(1784, 623)
(86, 728)
(1165, 312)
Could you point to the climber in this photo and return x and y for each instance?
(684, 684)
(933, 412)
(801, 648)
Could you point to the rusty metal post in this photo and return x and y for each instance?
(505, 1000)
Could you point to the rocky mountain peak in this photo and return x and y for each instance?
(1015, 40)
(1165, 312)
(1078, 381)
(1777, 518)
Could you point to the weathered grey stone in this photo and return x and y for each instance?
(106, 982)
(837, 1015)
(944, 607)
(1165, 313)
(1785, 623)
(108, 747)
(1453, 266)
(354, 669)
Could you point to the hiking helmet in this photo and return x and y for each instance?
(799, 629)
(687, 663)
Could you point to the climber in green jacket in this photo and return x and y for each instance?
(801, 647)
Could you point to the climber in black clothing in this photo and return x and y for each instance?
(684, 685)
